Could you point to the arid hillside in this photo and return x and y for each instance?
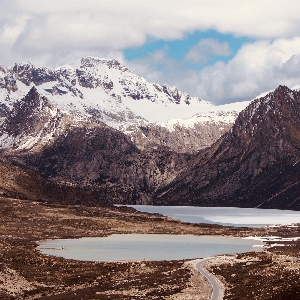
(255, 164)
(20, 183)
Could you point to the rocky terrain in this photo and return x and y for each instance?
(105, 91)
(105, 130)
(255, 164)
(107, 163)
(183, 136)
(89, 128)
(271, 275)
(27, 274)
(88, 155)
(25, 184)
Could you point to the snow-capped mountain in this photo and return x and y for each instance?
(101, 85)
(102, 90)
(104, 129)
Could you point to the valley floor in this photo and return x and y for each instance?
(27, 274)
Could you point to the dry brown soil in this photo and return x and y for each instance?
(266, 275)
(27, 274)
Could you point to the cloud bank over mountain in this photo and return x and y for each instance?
(53, 32)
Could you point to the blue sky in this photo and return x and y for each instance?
(178, 49)
(221, 51)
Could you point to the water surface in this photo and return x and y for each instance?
(228, 216)
(120, 247)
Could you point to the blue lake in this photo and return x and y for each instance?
(121, 247)
(229, 216)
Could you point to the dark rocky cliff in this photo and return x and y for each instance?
(106, 162)
(255, 164)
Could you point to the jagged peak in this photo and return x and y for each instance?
(32, 94)
(33, 90)
(22, 65)
(29, 67)
(282, 89)
(274, 97)
(66, 71)
(66, 67)
(90, 61)
(270, 115)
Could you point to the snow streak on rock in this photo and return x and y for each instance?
(103, 90)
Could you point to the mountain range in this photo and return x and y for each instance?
(100, 129)
(255, 164)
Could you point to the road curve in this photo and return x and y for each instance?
(217, 286)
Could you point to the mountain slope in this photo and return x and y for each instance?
(106, 162)
(85, 153)
(102, 128)
(104, 91)
(33, 122)
(25, 184)
(255, 164)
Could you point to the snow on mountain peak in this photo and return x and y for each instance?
(296, 87)
(105, 89)
(89, 62)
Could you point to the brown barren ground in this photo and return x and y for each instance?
(27, 274)
(266, 275)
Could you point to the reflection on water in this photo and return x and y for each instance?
(145, 246)
(230, 216)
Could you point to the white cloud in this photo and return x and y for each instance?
(9, 34)
(205, 49)
(257, 67)
(156, 67)
(12, 29)
(56, 29)
(57, 32)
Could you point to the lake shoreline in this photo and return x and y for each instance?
(24, 223)
(224, 216)
(150, 247)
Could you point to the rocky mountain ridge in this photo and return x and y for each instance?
(105, 91)
(255, 164)
(87, 129)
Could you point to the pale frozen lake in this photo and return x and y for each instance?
(121, 247)
(231, 216)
